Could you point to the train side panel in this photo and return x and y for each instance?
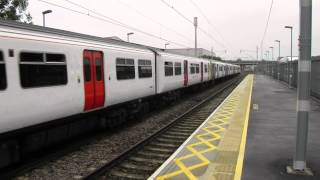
(122, 87)
(167, 77)
(25, 106)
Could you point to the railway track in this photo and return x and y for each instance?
(145, 157)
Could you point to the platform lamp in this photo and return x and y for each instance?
(278, 41)
(165, 45)
(44, 16)
(271, 47)
(290, 63)
(129, 34)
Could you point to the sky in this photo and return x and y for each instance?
(226, 26)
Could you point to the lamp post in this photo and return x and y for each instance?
(271, 47)
(278, 41)
(44, 16)
(290, 63)
(129, 34)
(165, 45)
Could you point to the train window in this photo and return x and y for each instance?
(32, 57)
(36, 71)
(87, 69)
(3, 78)
(197, 69)
(144, 68)
(55, 58)
(98, 70)
(193, 68)
(205, 68)
(125, 68)
(177, 68)
(168, 68)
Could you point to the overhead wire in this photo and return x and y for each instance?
(153, 20)
(200, 28)
(266, 28)
(175, 10)
(188, 20)
(108, 20)
(208, 21)
(205, 17)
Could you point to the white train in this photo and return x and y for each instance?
(48, 76)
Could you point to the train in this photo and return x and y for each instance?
(55, 78)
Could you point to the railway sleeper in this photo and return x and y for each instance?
(188, 124)
(152, 155)
(164, 145)
(119, 174)
(173, 137)
(160, 153)
(135, 166)
(157, 149)
(184, 127)
(170, 141)
(159, 146)
(181, 131)
(181, 134)
(143, 160)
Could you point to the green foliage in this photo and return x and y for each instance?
(15, 10)
(211, 57)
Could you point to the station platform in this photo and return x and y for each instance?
(215, 149)
(272, 132)
(250, 136)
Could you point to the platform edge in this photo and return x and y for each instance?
(238, 172)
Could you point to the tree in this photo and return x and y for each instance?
(15, 10)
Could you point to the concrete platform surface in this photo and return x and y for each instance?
(271, 134)
(216, 149)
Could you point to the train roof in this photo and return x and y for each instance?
(59, 32)
(53, 31)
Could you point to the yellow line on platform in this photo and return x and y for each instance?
(216, 150)
(239, 166)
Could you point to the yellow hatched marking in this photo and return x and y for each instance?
(212, 132)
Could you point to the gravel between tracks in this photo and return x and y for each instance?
(88, 157)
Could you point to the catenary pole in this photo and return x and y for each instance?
(304, 69)
(290, 75)
(303, 101)
(195, 22)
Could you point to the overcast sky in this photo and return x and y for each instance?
(232, 25)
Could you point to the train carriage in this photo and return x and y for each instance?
(50, 77)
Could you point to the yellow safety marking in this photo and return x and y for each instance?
(239, 166)
(209, 136)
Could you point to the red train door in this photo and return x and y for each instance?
(93, 79)
(185, 72)
(201, 70)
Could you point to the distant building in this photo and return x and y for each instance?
(191, 51)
